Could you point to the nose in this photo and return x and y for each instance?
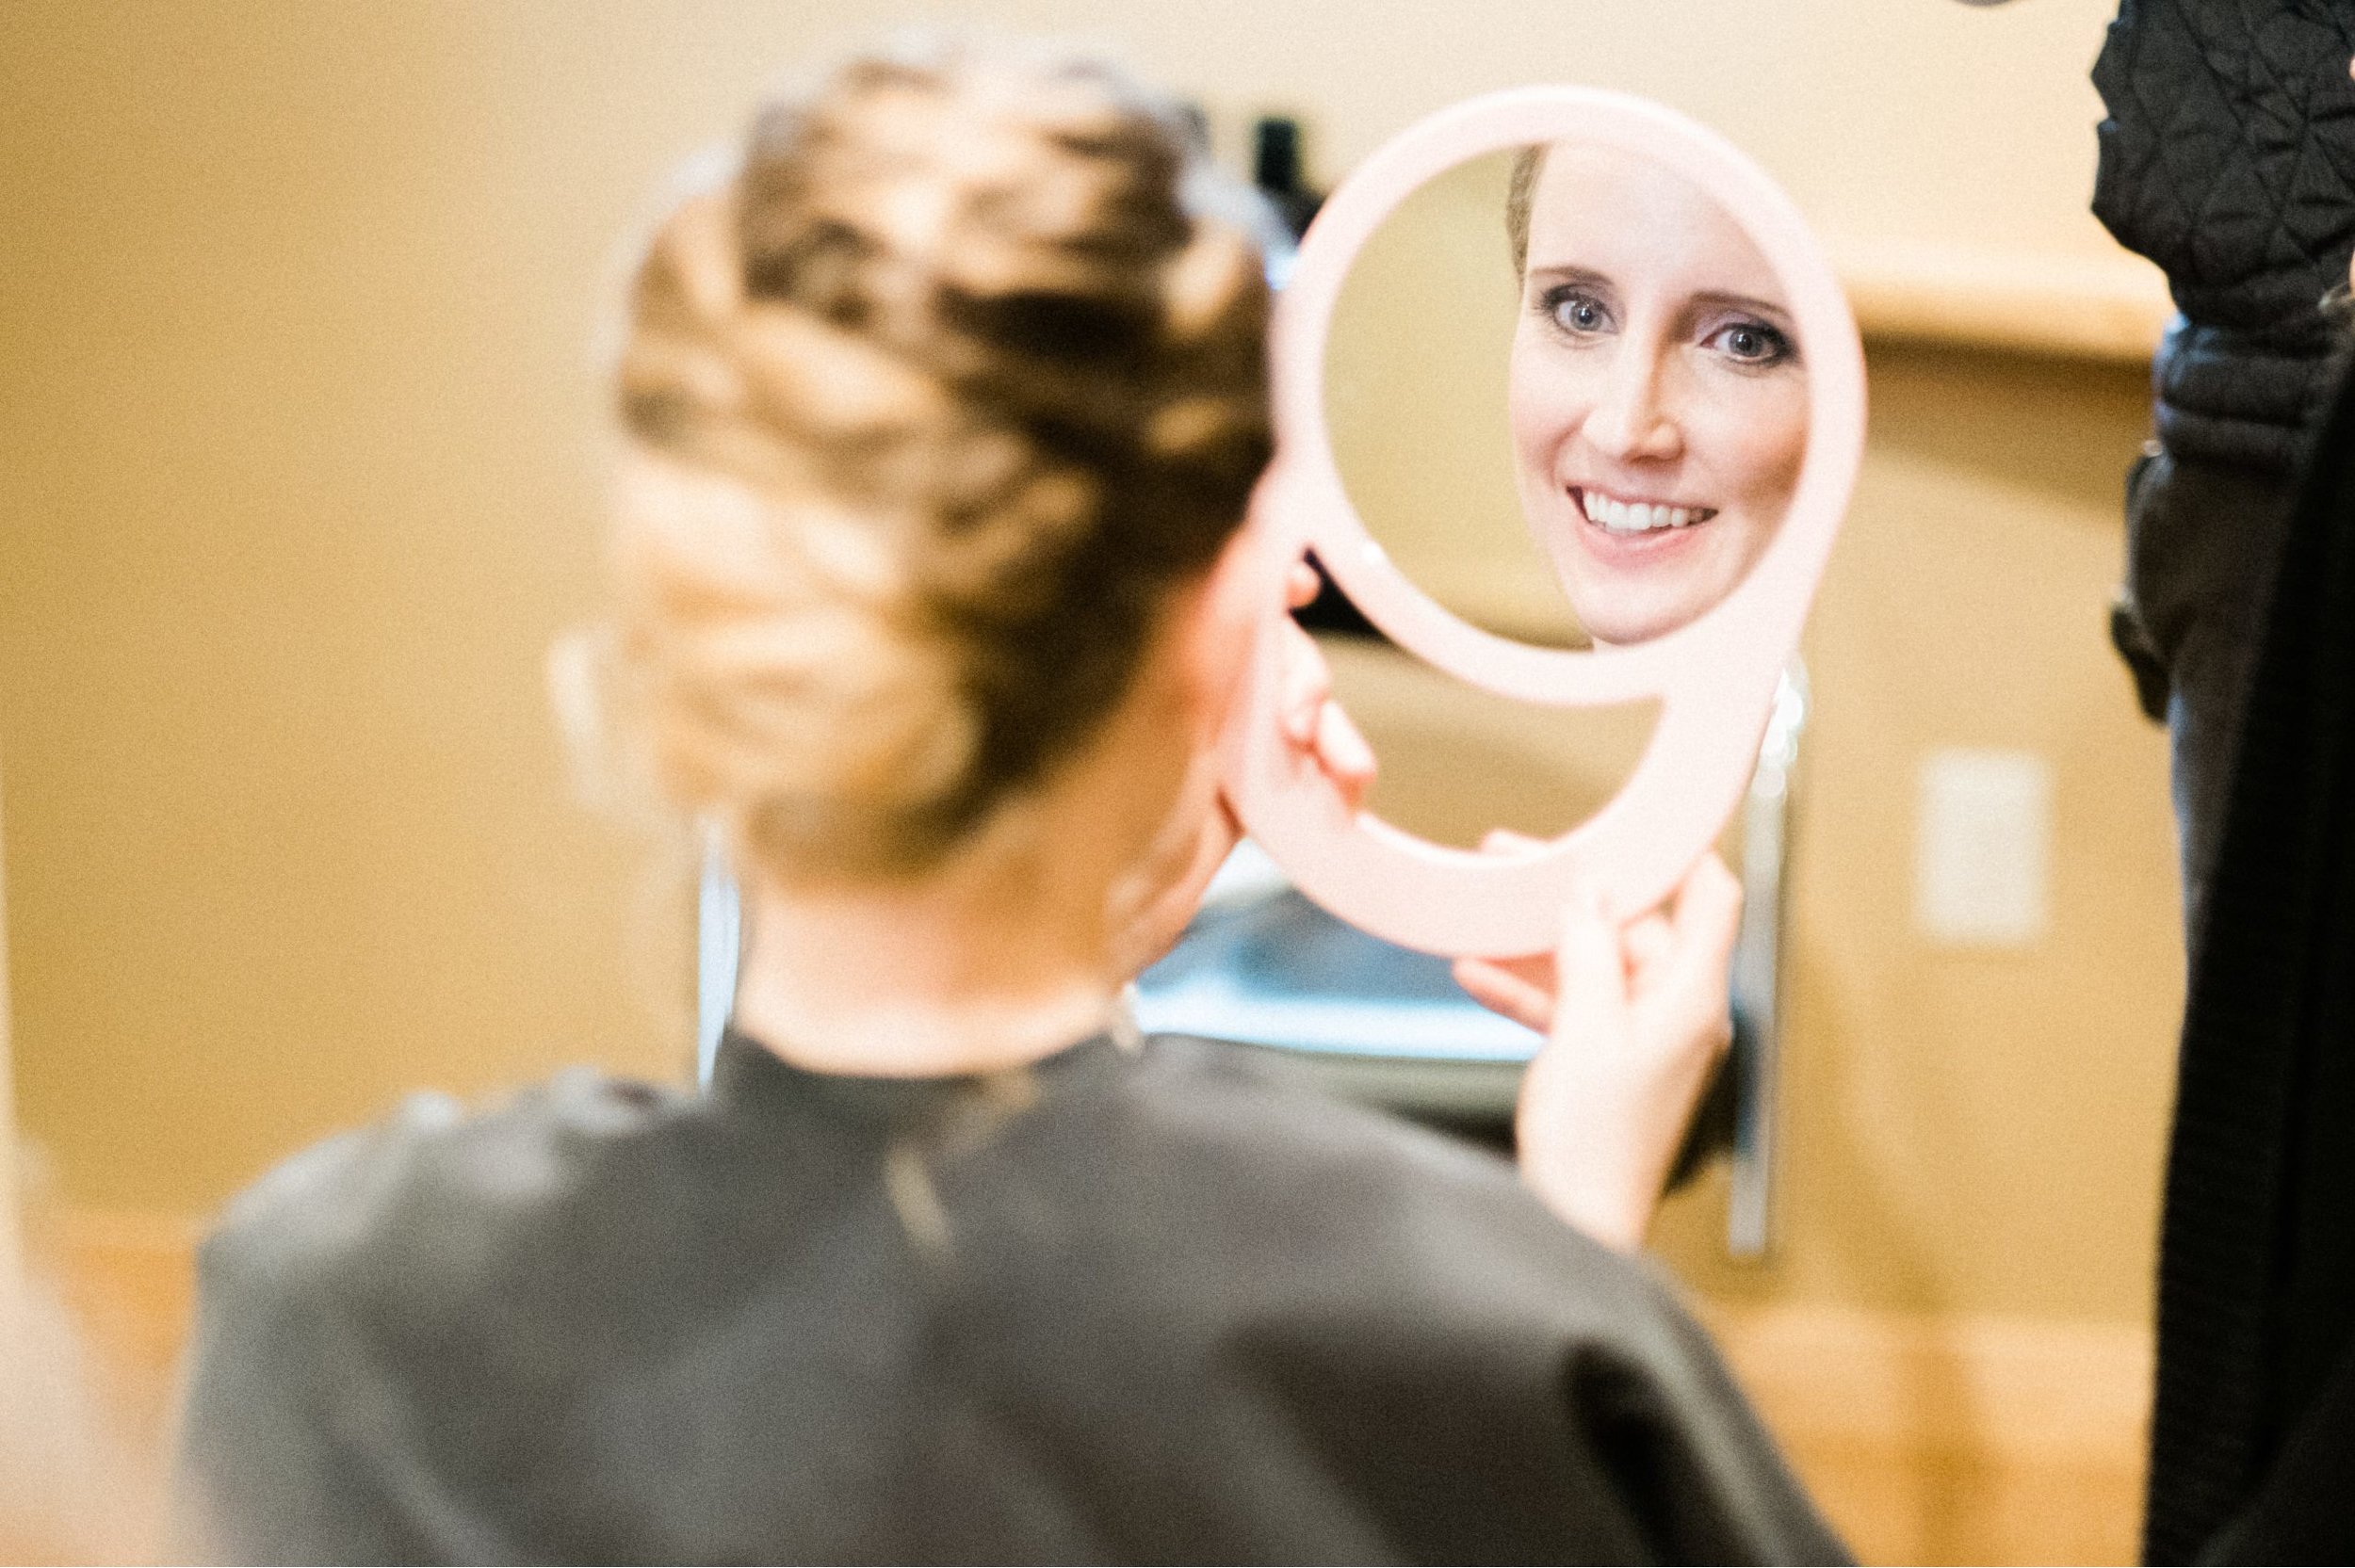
(1633, 419)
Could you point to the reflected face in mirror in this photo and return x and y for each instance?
(1656, 395)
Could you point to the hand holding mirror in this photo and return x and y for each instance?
(1682, 411)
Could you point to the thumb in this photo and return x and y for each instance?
(1593, 993)
(1500, 990)
(1708, 914)
(1695, 972)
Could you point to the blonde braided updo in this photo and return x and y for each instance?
(928, 411)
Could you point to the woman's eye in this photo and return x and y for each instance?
(1751, 342)
(1579, 313)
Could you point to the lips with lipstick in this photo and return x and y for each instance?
(1614, 515)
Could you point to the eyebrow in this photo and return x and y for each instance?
(1780, 314)
(1571, 275)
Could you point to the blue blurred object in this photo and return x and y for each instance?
(1277, 970)
(719, 941)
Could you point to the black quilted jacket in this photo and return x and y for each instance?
(2229, 158)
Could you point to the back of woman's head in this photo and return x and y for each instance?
(929, 410)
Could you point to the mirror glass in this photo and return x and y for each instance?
(1566, 396)
(1456, 761)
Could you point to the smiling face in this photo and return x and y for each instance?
(1657, 400)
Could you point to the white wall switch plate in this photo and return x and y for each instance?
(1982, 848)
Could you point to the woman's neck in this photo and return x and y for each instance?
(955, 974)
(1016, 947)
(1021, 943)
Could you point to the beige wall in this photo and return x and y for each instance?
(303, 477)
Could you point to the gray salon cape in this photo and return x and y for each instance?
(1159, 1306)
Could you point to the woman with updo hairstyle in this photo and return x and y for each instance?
(943, 417)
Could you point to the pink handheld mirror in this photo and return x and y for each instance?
(1712, 677)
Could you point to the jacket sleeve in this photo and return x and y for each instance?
(1689, 1461)
(296, 1443)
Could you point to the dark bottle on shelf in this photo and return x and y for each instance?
(1276, 169)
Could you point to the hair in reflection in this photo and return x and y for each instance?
(928, 406)
(1520, 193)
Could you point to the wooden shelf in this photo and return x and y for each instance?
(2111, 309)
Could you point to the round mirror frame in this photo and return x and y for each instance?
(1714, 679)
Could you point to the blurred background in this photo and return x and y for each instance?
(301, 451)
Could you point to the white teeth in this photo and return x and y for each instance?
(1639, 517)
